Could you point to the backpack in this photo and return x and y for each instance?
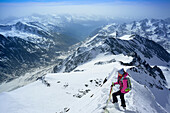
(129, 86)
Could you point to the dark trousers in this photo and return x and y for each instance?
(121, 97)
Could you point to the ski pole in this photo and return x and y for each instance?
(108, 99)
(109, 95)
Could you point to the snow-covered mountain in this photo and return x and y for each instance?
(129, 44)
(157, 30)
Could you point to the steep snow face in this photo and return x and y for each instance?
(81, 91)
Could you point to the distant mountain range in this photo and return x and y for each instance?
(154, 29)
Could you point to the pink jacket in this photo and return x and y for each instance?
(122, 82)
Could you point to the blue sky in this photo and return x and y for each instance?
(113, 8)
(88, 1)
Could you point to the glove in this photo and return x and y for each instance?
(112, 84)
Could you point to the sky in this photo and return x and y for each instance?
(79, 0)
(111, 8)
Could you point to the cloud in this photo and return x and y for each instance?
(115, 9)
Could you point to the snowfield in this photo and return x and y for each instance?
(80, 91)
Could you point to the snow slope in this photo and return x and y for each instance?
(80, 91)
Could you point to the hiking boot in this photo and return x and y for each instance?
(114, 102)
(124, 108)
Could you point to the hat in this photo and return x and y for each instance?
(121, 71)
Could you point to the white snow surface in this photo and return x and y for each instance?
(23, 35)
(61, 95)
(126, 37)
